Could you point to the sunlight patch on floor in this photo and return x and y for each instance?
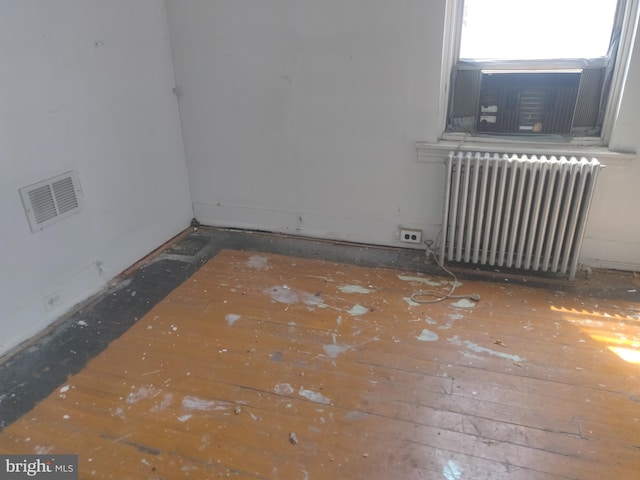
(618, 332)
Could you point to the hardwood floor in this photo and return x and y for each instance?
(268, 366)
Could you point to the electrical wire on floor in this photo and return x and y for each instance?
(440, 296)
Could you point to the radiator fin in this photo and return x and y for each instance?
(515, 211)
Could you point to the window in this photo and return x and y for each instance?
(544, 29)
(545, 67)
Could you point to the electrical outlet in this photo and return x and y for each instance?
(51, 300)
(410, 235)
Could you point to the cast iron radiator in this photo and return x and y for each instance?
(517, 211)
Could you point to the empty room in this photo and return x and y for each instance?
(280, 239)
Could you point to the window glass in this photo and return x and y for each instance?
(536, 29)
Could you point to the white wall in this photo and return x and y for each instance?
(302, 116)
(86, 85)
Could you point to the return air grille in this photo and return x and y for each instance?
(51, 200)
(65, 194)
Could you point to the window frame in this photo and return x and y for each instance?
(450, 60)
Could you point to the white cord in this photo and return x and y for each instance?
(440, 296)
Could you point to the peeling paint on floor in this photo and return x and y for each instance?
(283, 389)
(452, 318)
(358, 309)
(313, 299)
(282, 294)
(430, 321)
(194, 403)
(464, 303)
(356, 415)
(275, 356)
(427, 336)
(426, 281)
(140, 394)
(354, 289)
(479, 349)
(333, 351)
(452, 471)
(164, 403)
(232, 318)
(258, 262)
(315, 397)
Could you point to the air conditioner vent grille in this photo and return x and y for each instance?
(65, 195)
(42, 203)
(51, 200)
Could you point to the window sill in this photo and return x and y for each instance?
(437, 152)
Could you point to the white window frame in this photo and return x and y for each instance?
(453, 25)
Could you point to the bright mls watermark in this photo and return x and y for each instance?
(51, 467)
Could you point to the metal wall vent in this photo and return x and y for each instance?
(51, 200)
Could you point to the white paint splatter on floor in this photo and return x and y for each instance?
(426, 281)
(282, 294)
(479, 349)
(472, 356)
(164, 403)
(354, 289)
(334, 350)
(184, 418)
(258, 262)
(452, 471)
(427, 336)
(283, 389)
(312, 300)
(464, 303)
(232, 318)
(140, 394)
(315, 397)
(82, 323)
(356, 415)
(64, 389)
(358, 309)
(118, 412)
(194, 403)
(453, 317)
